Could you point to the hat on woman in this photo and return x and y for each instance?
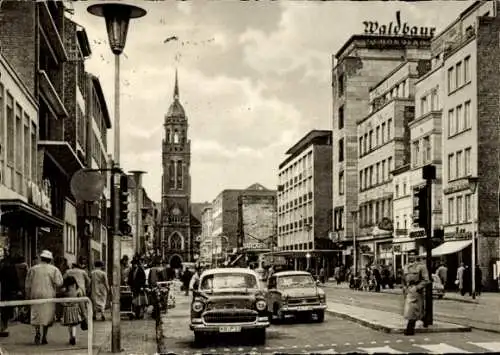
(46, 254)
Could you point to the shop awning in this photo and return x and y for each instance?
(19, 212)
(451, 247)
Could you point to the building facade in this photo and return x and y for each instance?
(206, 236)
(304, 203)
(32, 42)
(176, 185)
(467, 53)
(384, 145)
(362, 62)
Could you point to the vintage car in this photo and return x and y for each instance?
(295, 293)
(229, 300)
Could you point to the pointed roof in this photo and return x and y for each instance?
(176, 109)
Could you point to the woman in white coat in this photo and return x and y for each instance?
(42, 282)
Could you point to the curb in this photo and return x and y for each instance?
(392, 330)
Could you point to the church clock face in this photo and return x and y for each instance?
(176, 211)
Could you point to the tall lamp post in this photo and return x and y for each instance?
(354, 215)
(473, 182)
(136, 244)
(117, 17)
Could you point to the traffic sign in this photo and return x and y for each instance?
(87, 185)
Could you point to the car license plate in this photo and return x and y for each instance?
(230, 329)
(303, 308)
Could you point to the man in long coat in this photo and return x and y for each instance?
(99, 289)
(42, 282)
(415, 279)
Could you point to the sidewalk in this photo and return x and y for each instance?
(492, 298)
(137, 337)
(387, 321)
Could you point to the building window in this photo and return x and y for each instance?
(458, 72)
(451, 80)
(390, 167)
(458, 118)
(27, 150)
(459, 209)
(10, 131)
(427, 150)
(365, 145)
(467, 121)
(341, 84)
(383, 133)
(377, 137)
(179, 174)
(459, 164)
(468, 205)
(467, 69)
(423, 105)
(34, 151)
(341, 183)
(435, 99)
(2, 128)
(467, 167)
(171, 174)
(451, 210)
(377, 175)
(389, 128)
(451, 123)
(416, 153)
(397, 190)
(383, 171)
(360, 146)
(341, 150)
(451, 167)
(361, 180)
(371, 140)
(371, 176)
(176, 137)
(341, 117)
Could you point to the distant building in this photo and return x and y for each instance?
(206, 235)
(304, 203)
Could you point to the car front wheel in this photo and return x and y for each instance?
(260, 336)
(320, 316)
(199, 339)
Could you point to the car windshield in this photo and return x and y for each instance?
(228, 281)
(295, 281)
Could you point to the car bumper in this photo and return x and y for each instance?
(300, 308)
(198, 325)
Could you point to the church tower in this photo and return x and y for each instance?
(176, 185)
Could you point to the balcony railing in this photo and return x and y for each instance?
(49, 28)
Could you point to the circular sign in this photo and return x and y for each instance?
(87, 185)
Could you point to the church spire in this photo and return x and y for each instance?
(176, 87)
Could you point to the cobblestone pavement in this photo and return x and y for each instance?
(476, 315)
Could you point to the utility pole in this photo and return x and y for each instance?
(429, 174)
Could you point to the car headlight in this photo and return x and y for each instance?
(197, 306)
(322, 298)
(261, 305)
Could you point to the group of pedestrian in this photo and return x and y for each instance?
(45, 281)
(464, 279)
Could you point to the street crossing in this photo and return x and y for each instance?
(396, 348)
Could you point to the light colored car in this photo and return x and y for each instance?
(437, 287)
(296, 293)
(229, 300)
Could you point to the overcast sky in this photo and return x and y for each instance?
(254, 78)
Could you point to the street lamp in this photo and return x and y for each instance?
(473, 182)
(354, 214)
(117, 17)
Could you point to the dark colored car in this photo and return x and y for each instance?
(229, 300)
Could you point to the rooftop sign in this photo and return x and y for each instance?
(397, 28)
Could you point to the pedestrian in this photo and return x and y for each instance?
(336, 274)
(322, 275)
(62, 264)
(467, 281)
(460, 279)
(79, 272)
(9, 291)
(73, 312)
(186, 279)
(479, 280)
(125, 269)
(137, 283)
(99, 287)
(195, 279)
(42, 282)
(442, 273)
(377, 278)
(415, 278)
(157, 273)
